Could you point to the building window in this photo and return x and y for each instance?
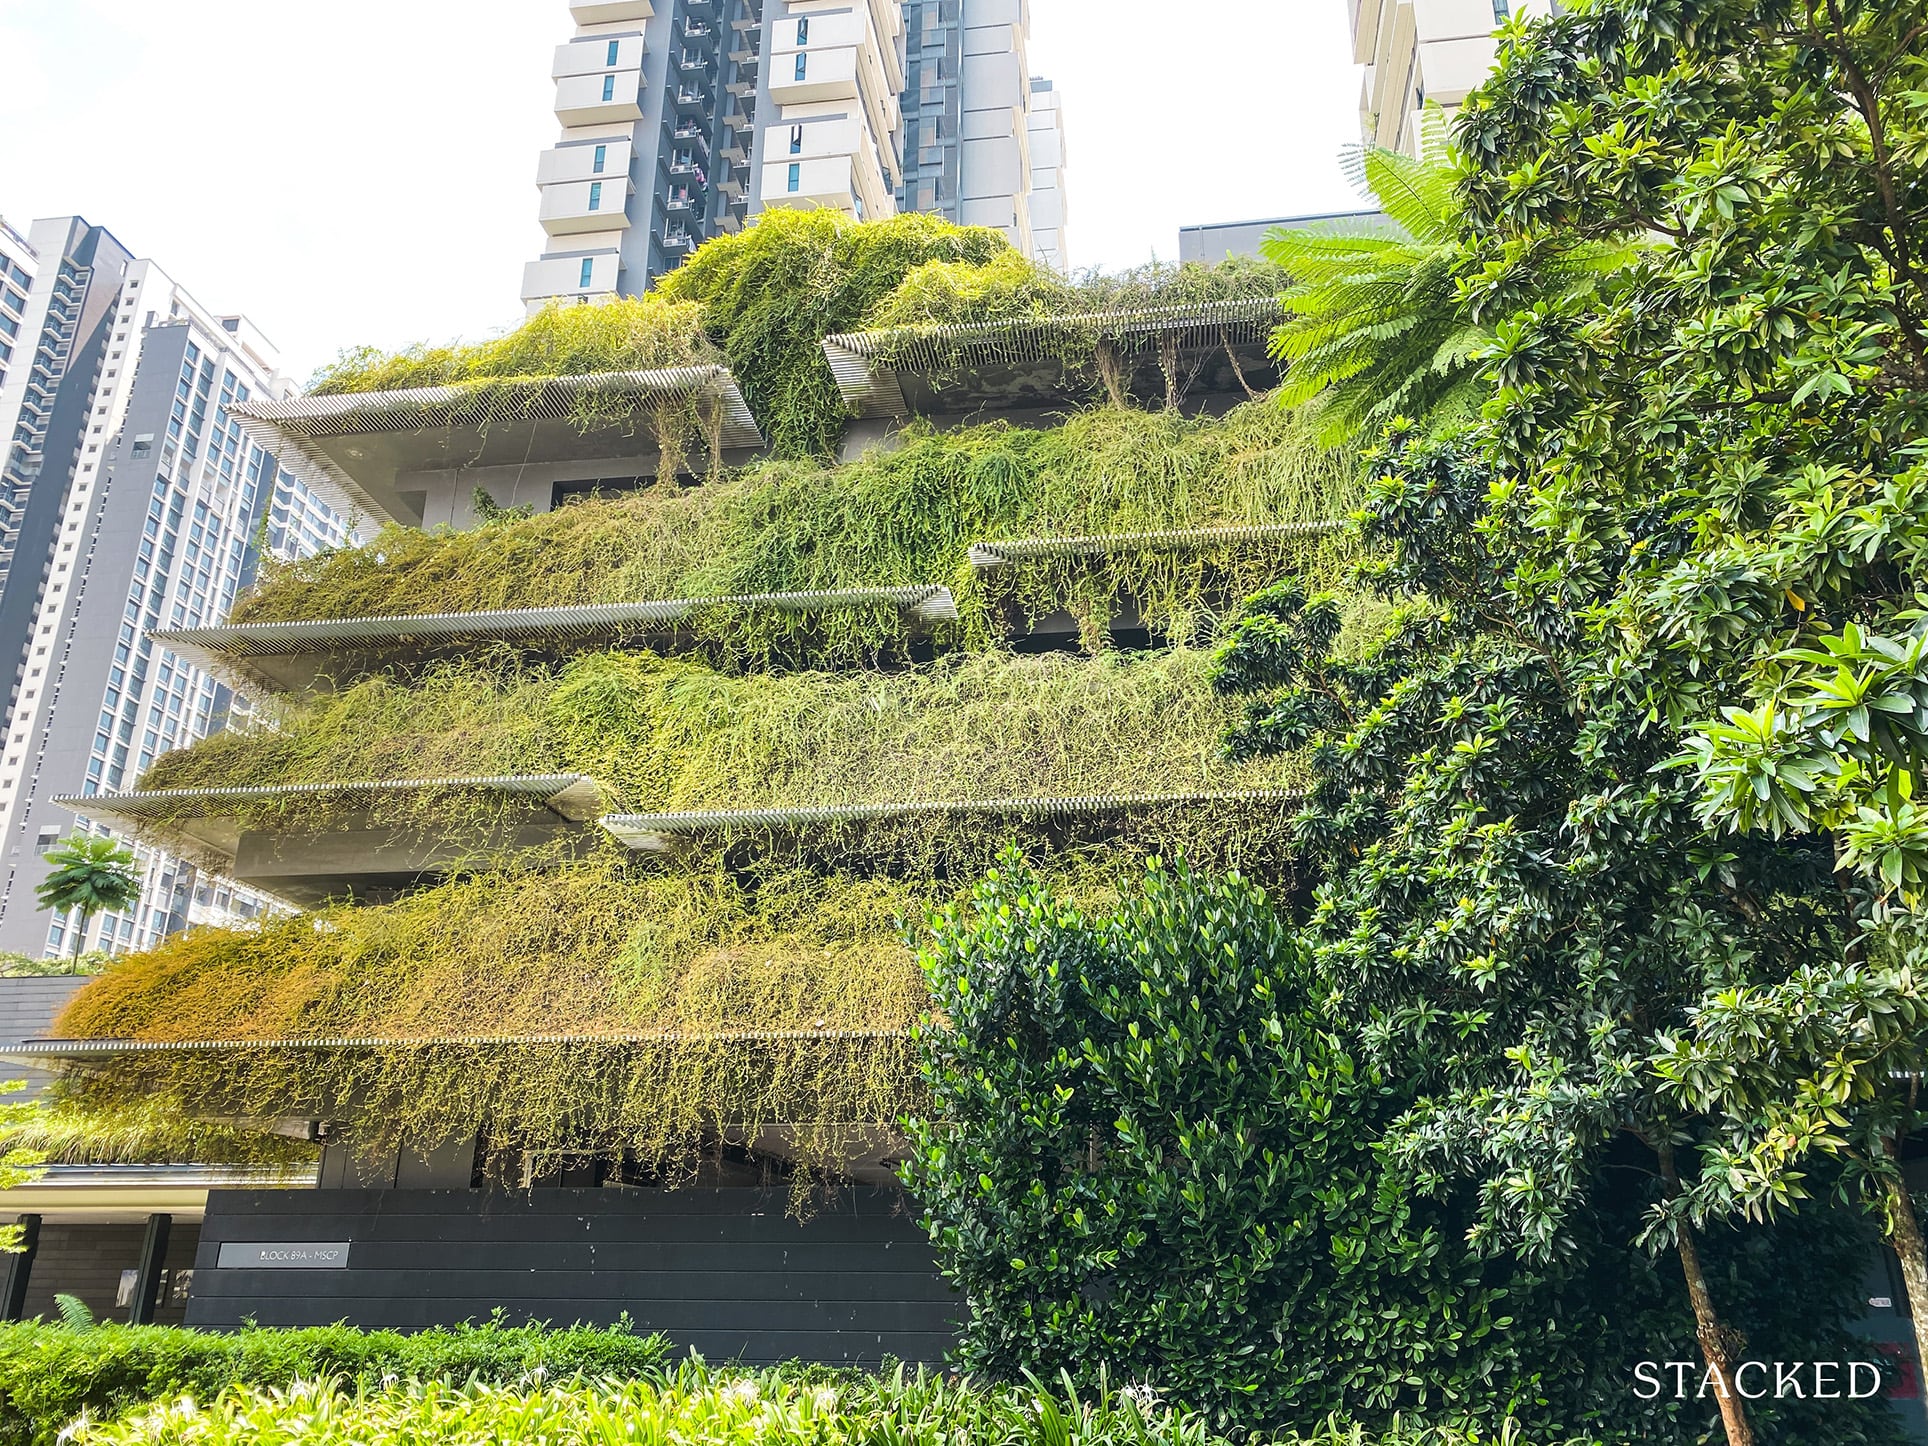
(803, 31)
(588, 272)
(803, 64)
(602, 160)
(1500, 11)
(609, 87)
(796, 176)
(796, 140)
(615, 50)
(595, 195)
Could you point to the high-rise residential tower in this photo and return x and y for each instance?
(983, 137)
(1416, 51)
(17, 265)
(132, 501)
(682, 119)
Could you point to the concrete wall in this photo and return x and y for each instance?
(725, 1271)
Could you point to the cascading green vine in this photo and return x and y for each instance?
(901, 517)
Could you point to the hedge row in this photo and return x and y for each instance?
(50, 1374)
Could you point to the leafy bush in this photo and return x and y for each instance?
(773, 291)
(705, 1408)
(50, 1374)
(1153, 1149)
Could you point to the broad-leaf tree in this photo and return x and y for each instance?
(1719, 471)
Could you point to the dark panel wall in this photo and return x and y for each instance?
(87, 1260)
(724, 1271)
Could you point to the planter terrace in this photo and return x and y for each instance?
(417, 455)
(295, 657)
(227, 829)
(1209, 350)
(1086, 816)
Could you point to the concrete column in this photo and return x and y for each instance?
(14, 1270)
(147, 1283)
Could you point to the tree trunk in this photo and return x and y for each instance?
(1904, 1234)
(1716, 1341)
(80, 932)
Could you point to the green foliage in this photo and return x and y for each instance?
(1715, 470)
(89, 875)
(671, 736)
(1152, 1150)
(145, 1132)
(49, 1375)
(1380, 328)
(714, 1408)
(26, 966)
(774, 290)
(19, 1162)
(1519, 906)
(889, 519)
(630, 333)
(1009, 288)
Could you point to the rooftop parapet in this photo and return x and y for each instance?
(1211, 347)
(295, 656)
(362, 450)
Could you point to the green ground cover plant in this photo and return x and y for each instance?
(1008, 287)
(51, 1373)
(890, 518)
(704, 1407)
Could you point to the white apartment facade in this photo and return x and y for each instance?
(17, 266)
(1050, 206)
(133, 502)
(830, 116)
(1418, 51)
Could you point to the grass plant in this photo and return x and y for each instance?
(890, 518)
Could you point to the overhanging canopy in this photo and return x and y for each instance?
(290, 657)
(1046, 361)
(658, 832)
(209, 825)
(356, 449)
(985, 555)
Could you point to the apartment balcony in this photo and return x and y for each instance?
(680, 203)
(578, 163)
(678, 241)
(830, 75)
(587, 100)
(693, 135)
(601, 12)
(591, 57)
(692, 102)
(695, 30)
(579, 207)
(692, 63)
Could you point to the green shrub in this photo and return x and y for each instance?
(1155, 1152)
(700, 1407)
(49, 1374)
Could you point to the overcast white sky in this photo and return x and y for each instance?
(363, 171)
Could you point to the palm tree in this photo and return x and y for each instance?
(90, 875)
(1377, 328)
